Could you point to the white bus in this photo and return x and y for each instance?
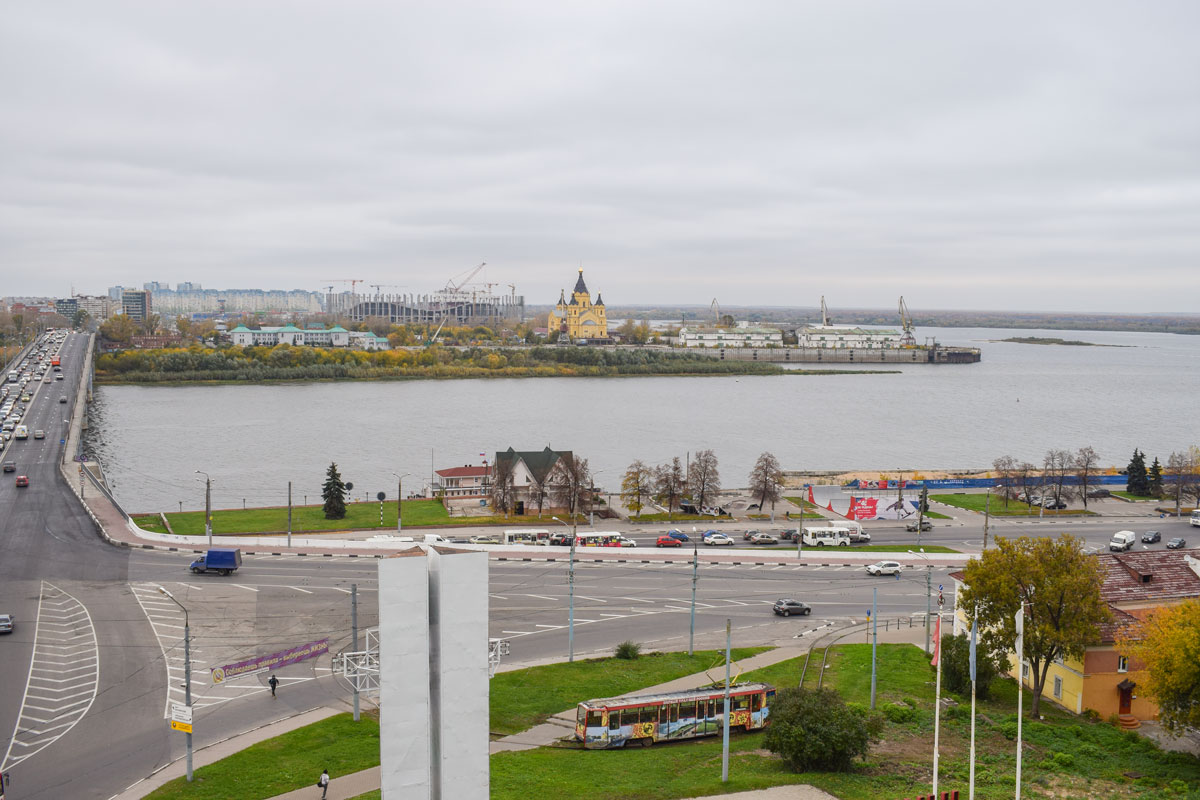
(829, 536)
(527, 536)
(1195, 520)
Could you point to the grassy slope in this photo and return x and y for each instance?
(976, 502)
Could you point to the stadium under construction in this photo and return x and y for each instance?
(459, 303)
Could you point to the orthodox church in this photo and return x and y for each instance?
(580, 319)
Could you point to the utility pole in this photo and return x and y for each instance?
(725, 732)
(289, 544)
(874, 639)
(207, 509)
(354, 636)
(921, 513)
(695, 577)
(987, 509)
(928, 602)
(800, 530)
(187, 672)
(399, 495)
(571, 594)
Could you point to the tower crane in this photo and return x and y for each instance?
(909, 338)
(824, 313)
(354, 282)
(715, 307)
(451, 286)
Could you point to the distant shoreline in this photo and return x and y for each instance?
(1049, 340)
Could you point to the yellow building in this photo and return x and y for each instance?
(580, 319)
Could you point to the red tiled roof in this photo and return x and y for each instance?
(1147, 576)
(465, 472)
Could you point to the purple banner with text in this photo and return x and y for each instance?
(272, 661)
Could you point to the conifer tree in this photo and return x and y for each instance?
(1137, 482)
(1154, 483)
(334, 493)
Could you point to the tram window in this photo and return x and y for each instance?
(614, 720)
(595, 719)
(739, 703)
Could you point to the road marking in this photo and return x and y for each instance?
(33, 734)
(247, 588)
(585, 597)
(298, 589)
(550, 627)
(613, 615)
(340, 589)
(519, 633)
(636, 600)
(541, 597)
(498, 596)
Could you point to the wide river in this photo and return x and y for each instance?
(1021, 400)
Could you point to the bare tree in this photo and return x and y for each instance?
(1006, 470)
(765, 479)
(1179, 478)
(668, 484)
(570, 484)
(1055, 468)
(1086, 463)
(1028, 479)
(538, 493)
(704, 481)
(636, 486)
(502, 491)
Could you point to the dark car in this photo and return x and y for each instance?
(668, 541)
(680, 535)
(1054, 505)
(1150, 537)
(562, 539)
(785, 607)
(62, 399)
(748, 535)
(22, 480)
(1095, 493)
(10, 466)
(788, 533)
(1176, 543)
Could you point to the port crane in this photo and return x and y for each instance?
(909, 339)
(824, 313)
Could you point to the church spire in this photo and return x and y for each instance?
(580, 286)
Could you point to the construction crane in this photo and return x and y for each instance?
(715, 307)
(379, 287)
(451, 286)
(354, 282)
(909, 339)
(824, 313)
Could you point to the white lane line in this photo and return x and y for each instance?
(498, 596)
(340, 589)
(550, 627)
(636, 600)
(247, 588)
(518, 633)
(614, 616)
(541, 597)
(585, 597)
(298, 589)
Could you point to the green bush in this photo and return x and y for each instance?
(628, 650)
(899, 713)
(1178, 787)
(957, 712)
(1064, 759)
(814, 729)
(1009, 729)
(956, 666)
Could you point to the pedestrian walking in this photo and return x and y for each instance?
(323, 782)
(273, 682)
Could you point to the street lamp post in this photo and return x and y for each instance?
(399, 497)
(928, 593)
(207, 514)
(695, 577)
(570, 591)
(187, 671)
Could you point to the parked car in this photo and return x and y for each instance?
(1098, 493)
(10, 466)
(884, 568)
(925, 524)
(7, 623)
(718, 540)
(22, 481)
(763, 538)
(1054, 505)
(785, 607)
(668, 541)
(680, 535)
(1176, 543)
(1150, 537)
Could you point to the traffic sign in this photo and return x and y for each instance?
(182, 727)
(181, 713)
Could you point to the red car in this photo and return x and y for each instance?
(668, 541)
(22, 480)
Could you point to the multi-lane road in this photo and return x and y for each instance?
(96, 657)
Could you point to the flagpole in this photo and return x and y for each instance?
(1020, 685)
(971, 779)
(937, 701)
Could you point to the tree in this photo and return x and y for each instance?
(1060, 589)
(1137, 481)
(334, 494)
(1028, 480)
(183, 324)
(503, 491)
(956, 665)
(636, 486)
(538, 492)
(1056, 467)
(1154, 479)
(570, 484)
(1006, 469)
(668, 484)
(1167, 649)
(765, 479)
(1179, 478)
(814, 729)
(1086, 463)
(704, 482)
(119, 329)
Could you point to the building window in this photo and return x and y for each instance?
(1024, 673)
(1122, 663)
(1058, 687)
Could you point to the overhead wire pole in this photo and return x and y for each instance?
(695, 577)
(354, 636)
(207, 505)
(725, 720)
(928, 593)
(570, 591)
(289, 544)
(187, 672)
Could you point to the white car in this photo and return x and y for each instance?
(884, 568)
(718, 540)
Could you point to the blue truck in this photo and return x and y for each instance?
(219, 559)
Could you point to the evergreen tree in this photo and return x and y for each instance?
(1137, 482)
(1154, 484)
(334, 492)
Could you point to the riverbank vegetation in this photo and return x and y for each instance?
(1053, 340)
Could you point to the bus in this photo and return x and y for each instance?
(527, 536)
(1195, 520)
(829, 536)
(603, 539)
(671, 716)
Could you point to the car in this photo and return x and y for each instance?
(748, 535)
(1176, 543)
(925, 525)
(1097, 493)
(10, 466)
(718, 540)
(48, 380)
(484, 540)
(789, 533)
(39, 434)
(763, 538)
(628, 542)
(884, 568)
(1054, 505)
(22, 480)
(1150, 537)
(7, 623)
(57, 377)
(680, 535)
(709, 533)
(667, 541)
(785, 607)
(62, 399)
(560, 539)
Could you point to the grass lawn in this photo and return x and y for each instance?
(800, 501)
(372, 795)
(1132, 496)
(291, 761)
(1065, 756)
(523, 698)
(936, 515)
(975, 502)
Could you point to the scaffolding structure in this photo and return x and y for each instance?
(451, 306)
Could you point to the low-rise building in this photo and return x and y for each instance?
(365, 340)
(337, 336)
(848, 336)
(464, 481)
(741, 335)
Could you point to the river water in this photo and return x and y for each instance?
(1021, 400)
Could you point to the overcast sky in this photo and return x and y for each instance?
(1039, 156)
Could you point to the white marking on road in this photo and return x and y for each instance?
(498, 596)
(518, 633)
(550, 627)
(247, 588)
(585, 597)
(636, 599)
(541, 597)
(298, 589)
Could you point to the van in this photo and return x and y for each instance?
(825, 537)
(1122, 540)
